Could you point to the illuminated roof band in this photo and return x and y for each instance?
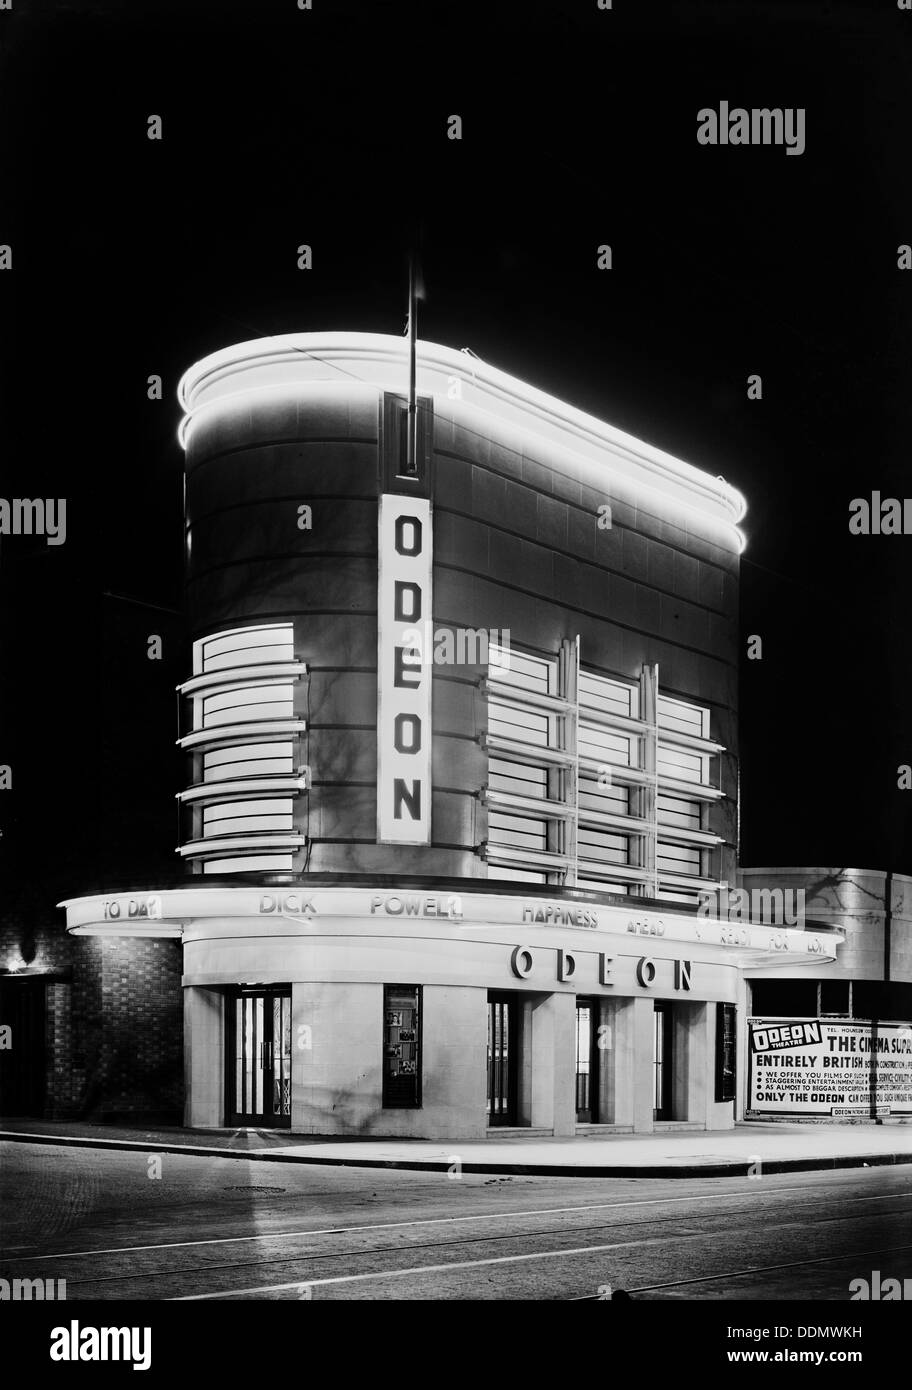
(294, 365)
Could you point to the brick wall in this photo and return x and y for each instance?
(141, 1034)
(114, 1017)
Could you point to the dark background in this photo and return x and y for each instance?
(134, 257)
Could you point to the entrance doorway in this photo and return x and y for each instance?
(587, 1061)
(22, 1066)
(502, 1058)
(662, 1103)
(259, 1053)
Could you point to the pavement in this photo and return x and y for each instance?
(750, 1148)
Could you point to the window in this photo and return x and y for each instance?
(244, 646)
(528, 768)
(401, 1047)
(595, 781)
(247, 770)
(250, 863)
(784, 998)
(726, 1052)
(678, 859)
(503, 1057)
(834, 997)
(587, 1061)
(682, 841)
(663, 1061)
(249, 760)
(243, 702)
(236, 817)
(888, 1000)
(608, 802)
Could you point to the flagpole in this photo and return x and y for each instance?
(410, 460)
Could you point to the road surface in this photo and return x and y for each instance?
(126, 1225)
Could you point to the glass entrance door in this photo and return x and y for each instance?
(587, 1058)
(502, 1071)
(662, 1063)
(260, 1052)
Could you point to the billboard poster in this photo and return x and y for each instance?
(819, 1067)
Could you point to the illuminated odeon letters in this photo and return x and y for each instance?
(404, 681)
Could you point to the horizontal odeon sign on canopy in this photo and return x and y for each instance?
(407, 910)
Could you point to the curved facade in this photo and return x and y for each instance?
(538, 1008)
(461, 734)
(872, 910)
(516, 481)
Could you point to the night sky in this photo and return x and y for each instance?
(328, 126)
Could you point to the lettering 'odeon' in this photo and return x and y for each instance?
(429, 896)
(404, 679)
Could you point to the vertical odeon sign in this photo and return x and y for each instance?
(404, 672)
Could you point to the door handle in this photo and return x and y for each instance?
(265, 1056)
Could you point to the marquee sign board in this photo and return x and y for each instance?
(404, 673)
(170, 910)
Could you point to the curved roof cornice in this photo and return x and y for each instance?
(293, 363)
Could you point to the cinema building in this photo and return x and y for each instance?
(461, 741)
